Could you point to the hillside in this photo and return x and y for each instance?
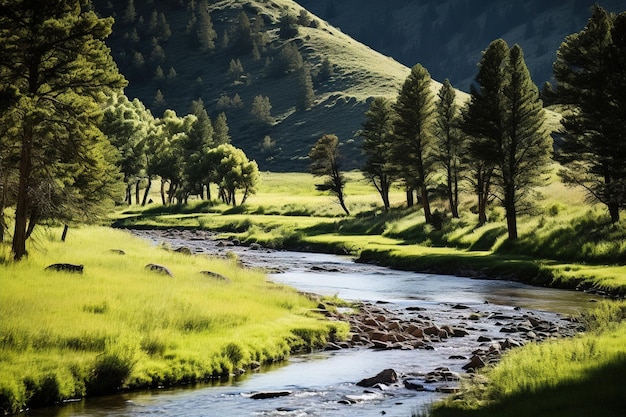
(358, 73)
(447, 36)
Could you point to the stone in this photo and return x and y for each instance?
(159, 269)
(214, 275)
(387, 376)
(475, 363)
(183, 250)
(263, 395)
(414, 384)
(65, 267)
(431, 330)
(118, 251)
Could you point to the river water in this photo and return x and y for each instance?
(324, 383)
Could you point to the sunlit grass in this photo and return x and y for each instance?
(578, 376)
(56, 326)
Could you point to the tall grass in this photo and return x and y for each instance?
(580, 376)
(120, 326)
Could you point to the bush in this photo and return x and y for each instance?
(111, 370)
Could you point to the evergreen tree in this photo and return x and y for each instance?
(287, 26)
(220, 129)
(199, 141)
(325, 162)
(205, 33)
(449, 144)
(590, 71)
(526, 149)
(377, 147)
(483, 123)
(508, 127)
(415, 110)
(305, 92)
(55, 60)
(262, 110)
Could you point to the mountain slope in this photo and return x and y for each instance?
(358, 73)
(447, 36)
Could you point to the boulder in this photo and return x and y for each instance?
(184, 250)
(214, 275)
(65, 267)
(263, 395)
(159, 269)
(475, 363)
(118, 251)
(387, 376)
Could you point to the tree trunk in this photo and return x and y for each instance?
(426, 204)
(137, 191)
(614, 212)
(208, 191)
(129, 196)
(64, 234)
(145, 194)
(409, 198)
(163, 193)
(454, 198)
(23, 200)
(343, 203)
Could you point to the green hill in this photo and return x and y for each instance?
(358, 73)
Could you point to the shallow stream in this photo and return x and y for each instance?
(324, 383)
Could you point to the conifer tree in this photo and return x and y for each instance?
(377, 147)
(305, 92)
(220, 129)
(506, 121)
(590, 71)
(450, 148)
(482, 122)
(415, 110)
(325, 162)
(205, 33)
(55, 70)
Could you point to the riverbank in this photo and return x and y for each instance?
(105, 312)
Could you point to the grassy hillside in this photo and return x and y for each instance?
(358, 73)
(447, 36)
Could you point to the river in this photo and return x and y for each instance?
(324, 383)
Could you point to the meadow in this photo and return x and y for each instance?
(118, 326)
(564, 241)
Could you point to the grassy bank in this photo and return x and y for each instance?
(120, 326)
(564, 242)
(569, 377)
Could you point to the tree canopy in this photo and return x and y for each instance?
(55, 70)
(590, 71)
(325, 162)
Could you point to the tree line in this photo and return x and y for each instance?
(497, 144)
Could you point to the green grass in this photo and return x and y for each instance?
(580, 376)
(119, 326)
(564, 242)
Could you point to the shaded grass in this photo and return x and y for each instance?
(120, 326)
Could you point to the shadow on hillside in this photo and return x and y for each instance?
(597, 393)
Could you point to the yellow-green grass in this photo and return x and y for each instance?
(118, 325)
(563, 241)
(581, 376)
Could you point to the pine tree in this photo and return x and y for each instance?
(220, 129)
(205, 33)
(65, 167)
(450, 148)
(482, 122)
(506, 121)
(591, 71)
(377, 147)
(415, 110)
(325, 162)
(305, 92)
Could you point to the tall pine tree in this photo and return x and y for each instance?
(415, 110)
(590, 71)
(377, 147)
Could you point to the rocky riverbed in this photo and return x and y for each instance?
(413, 337)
